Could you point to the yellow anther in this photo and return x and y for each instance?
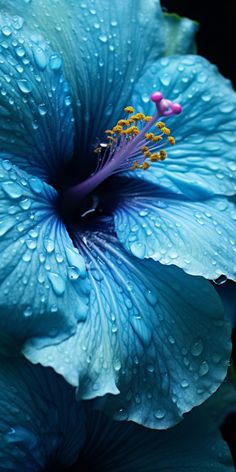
(130, 121)
(109, 131)
(147, 118)
(138, 116)
(134, 166)
(160, 124)
(111, 138)
(155, 157)
(144, 148)
(117, 129)
(129, 109)
(147, 154)
(163, 155)
(165, 130)
(145, 166)
(135, 130)
(171, 140)
(97, 150)
(123, 122)
(149, 136)
(156, 139)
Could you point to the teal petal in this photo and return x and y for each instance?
(38, 297)
(102, 51)
(41, 424)
(203, 161)
(179, 34)
(36, 122)
(198, 236)
(195, 445)
(138, 340)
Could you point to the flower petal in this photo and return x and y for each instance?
(179, 34)
(103, 54)
(203, 161)
(41, 424)
(36, 125)
(38, 299)
(196, 445)
(154, 333)
(198, 236)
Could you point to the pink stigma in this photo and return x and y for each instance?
(165, 107)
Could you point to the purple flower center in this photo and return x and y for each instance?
(129, 145)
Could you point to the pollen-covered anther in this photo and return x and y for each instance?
(123, 122)
(129, 109)
(156, 139)
(166, 130)
(171, 140)
(147, 118)
(160, 124)
(163, 155)
(145, 166)
(97, 150)
(138, 117)
(117, 129)
(149, 136)
(155, 157)
(109, 131)
(135, 166)
(147, 154)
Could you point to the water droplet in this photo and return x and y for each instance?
(12, 189)
(25, 86)
(103, 38)
(77, 261)
(204, 368)
(184, 383)
(42, 109)
(57, 282)
(151, 297)
(36, 185)
(159, 414)
(28, 312)
(6, 31)
(49, 245)
(55, 62)
(220, 280)
(120, 415)
(138, 249)
(197, 349)
(141, 329)
(73, 273)
(40, 57)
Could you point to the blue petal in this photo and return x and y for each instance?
(103, 54)
(197, 236)
(40, 421)
(203, 161)
(36, 125)
(179, 34)
(227, 292)
(154, 334)
(38, 299)
(195, 445)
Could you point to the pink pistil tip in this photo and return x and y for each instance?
(165, 107)
(156, 97)
(177, 109)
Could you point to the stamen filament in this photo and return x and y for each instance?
(127, 143)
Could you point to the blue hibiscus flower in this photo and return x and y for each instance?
(42, 427)
(97, 260)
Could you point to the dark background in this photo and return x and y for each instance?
(216, 38)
